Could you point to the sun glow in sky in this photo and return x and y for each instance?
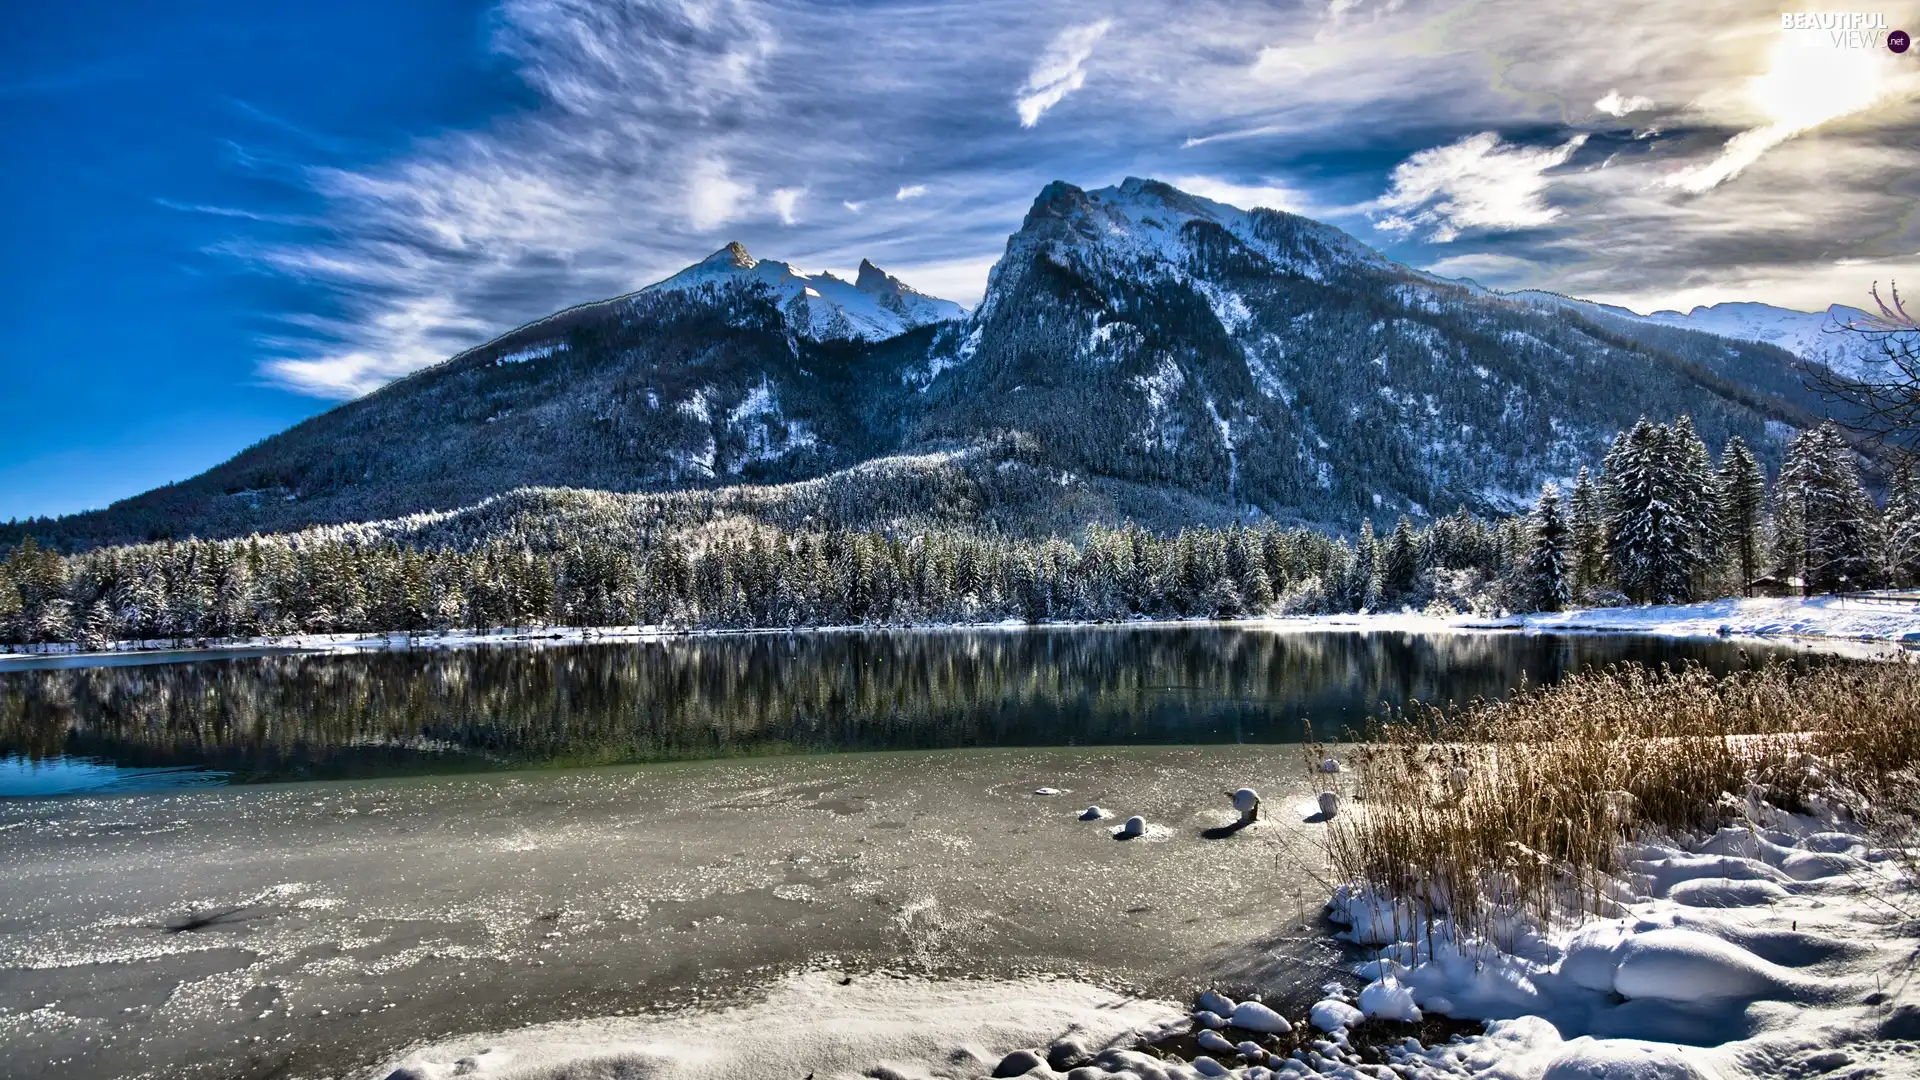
(1809, 81)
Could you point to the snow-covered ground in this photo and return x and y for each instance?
(1832, 621)
(813, 1025)
(1785, 946)
(1842, 618)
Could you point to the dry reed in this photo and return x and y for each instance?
(1521, 807)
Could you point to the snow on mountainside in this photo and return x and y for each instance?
(1149, 228)
(820, 306)
(1229, 361)
(1812, 336)
(1262, 359)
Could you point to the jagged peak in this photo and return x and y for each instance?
(872, 279)
(734, 255)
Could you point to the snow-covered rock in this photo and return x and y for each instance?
(1207, 1066)
(820, 306)
(1254, 1016)
(1215, 1002)
(1388, 1000)
(1214, 1042)
(1331, 1015)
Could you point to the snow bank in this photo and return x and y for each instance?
(873, 1027)
(1814, 617)
(1762, 950)
(1832, 622)
(1828, 620)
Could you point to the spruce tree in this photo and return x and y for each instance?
(1400, 563)
(1652, 516)
(1900, 525)
(1742, 492)
(1696, 498)
(1588, 530)
(1544, 584)
(1824, 522)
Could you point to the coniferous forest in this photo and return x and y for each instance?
(1659, 521)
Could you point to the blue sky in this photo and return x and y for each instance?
(224, 217)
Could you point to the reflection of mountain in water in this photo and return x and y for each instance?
(318, 716)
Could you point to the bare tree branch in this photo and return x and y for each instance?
(1883, 403)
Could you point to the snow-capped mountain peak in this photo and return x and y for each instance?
(819, 306)
(1151, 229)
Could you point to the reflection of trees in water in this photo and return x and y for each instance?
(706, 697)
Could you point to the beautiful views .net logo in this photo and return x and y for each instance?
(1844, 30)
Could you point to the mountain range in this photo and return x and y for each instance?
(1154, 355)
(1817, 337)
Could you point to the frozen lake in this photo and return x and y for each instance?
(859, 803)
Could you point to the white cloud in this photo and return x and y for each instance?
(1480, 182)
(785, 201)
(714, 197)
(589, 192)
(405, 337)
(1244, 196)
(1489, 268)
(1060, 70)
(1615, 105)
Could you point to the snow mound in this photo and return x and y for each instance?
(1254, 1016)
(1587, 1058)
(1388, 1000)
(1333, 1015)
(1215, 1002)
(1752, 952)
(1687, 965)
(808, 1023)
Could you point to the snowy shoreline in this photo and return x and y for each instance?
(1831, 624)
(1778, 945)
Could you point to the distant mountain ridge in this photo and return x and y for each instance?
(1203, 360)
(1813, 336)
(873, 307)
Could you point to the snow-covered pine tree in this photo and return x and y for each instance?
(1366, 565)
(1900, 525)
(1743, 494)
(1697, 498)
(1544, 584)
(1399, 563)
(1652, 516)
(1588, 533)
(1824, 522)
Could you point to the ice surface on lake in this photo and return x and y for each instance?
(217, 932)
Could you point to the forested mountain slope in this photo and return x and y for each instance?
(1262, 358)
(1185, 359)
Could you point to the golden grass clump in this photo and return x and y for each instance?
(1522, 806)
